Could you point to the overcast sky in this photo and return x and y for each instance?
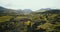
(30, 4)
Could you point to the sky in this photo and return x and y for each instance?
(30, 4)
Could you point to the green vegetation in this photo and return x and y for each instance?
(35, 22)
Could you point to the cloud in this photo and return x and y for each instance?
(30, 4)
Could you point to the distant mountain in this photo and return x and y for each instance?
(43, 9)
(56, 11)
(5, 11)
(47, 11)
(27, 11)
(2, 9)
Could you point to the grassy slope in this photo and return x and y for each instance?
(36, 17)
